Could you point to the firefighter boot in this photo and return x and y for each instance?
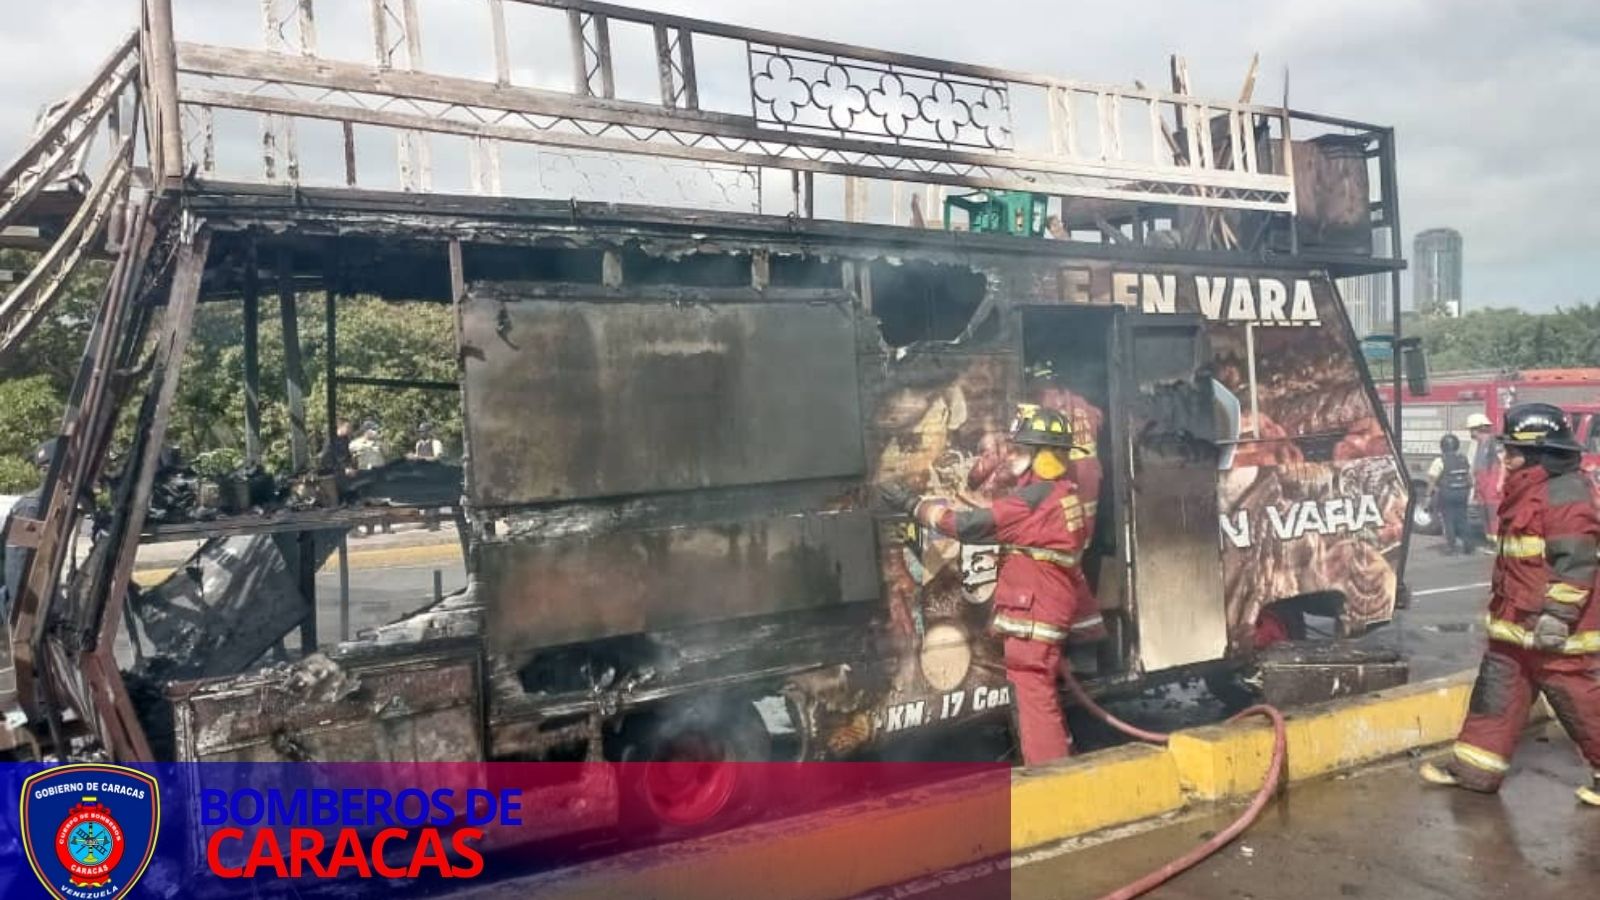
(1434, 773)
(1590, 794)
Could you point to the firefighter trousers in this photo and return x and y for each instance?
(1041, 728)
(1507, 684)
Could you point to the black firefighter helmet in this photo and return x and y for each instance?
(1036, 427)
(1539, 425)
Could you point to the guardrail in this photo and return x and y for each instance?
(741, 103)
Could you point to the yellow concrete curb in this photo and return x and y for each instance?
(1093, 792)
(377, 558)
(1222, 761)
(849, 851)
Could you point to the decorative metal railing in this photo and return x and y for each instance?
(713, 100)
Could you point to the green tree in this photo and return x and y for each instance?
(1513, 339)
(375, 338)
(37, 375)
(30, 412)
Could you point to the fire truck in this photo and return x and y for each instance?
(1451, 397)
(697, 319)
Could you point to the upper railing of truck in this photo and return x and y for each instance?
(586, 100)
(569, 99)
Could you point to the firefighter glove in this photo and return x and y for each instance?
(899, 497)
(1550, 633)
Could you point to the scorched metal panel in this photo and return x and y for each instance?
(544, 593)
(573, 400)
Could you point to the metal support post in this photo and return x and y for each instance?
(295, 376)
(252, 358)
(344, 587)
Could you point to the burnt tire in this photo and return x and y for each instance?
(692, 768)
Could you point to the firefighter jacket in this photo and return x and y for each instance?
(1041, 529)
(1549, 534)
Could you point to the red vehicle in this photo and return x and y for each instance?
(1453, 396)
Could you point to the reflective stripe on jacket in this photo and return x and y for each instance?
(1549, 538)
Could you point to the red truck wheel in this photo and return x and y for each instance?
(695, 768)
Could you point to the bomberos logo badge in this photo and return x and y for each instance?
(89, 830)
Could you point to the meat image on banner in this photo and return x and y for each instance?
(1313, 500)
(932, 422)
(1310, 498)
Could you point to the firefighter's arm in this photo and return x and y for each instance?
(983, 524)
(1569, 549)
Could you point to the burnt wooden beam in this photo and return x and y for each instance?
(330, 326)
(252, 356)
(118, 724)
(288, 522)
(161, 81)
(293, 367)
(299, 445)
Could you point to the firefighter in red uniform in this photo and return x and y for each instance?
(1544, 622)
(1083, 469)
(1041, 528)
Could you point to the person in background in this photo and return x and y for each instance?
(368, 448)
(428, 447)
(336, 456)
(1544, 621)
(1450, 484)
(368, 452)
(1487, 474)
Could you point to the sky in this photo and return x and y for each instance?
(1493, 101)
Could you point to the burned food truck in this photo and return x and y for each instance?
(697, 319)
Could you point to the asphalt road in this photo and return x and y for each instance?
(381, 595)
(1442, 632)
(1376, 834)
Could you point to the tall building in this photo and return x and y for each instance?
(1436, 260)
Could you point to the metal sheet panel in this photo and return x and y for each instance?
(1177, 560)
(580, 399)
(417, 708)
(557, 592)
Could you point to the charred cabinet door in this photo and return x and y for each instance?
(1172, 450)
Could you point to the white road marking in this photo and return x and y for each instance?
(1450, 590)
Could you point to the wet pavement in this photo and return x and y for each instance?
(1379, 834)
(1442, 631)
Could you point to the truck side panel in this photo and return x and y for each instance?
(572, 400)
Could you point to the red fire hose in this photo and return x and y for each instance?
(1220, 839)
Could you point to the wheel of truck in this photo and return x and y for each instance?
(688, 768)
